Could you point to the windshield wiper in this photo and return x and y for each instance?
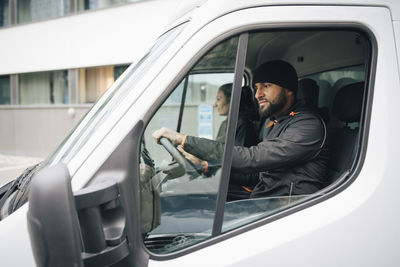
(19, 184)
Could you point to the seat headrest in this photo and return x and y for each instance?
(348, 102)
(308, 91)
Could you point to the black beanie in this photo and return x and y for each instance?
(278, 72)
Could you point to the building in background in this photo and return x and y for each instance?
(57, 57)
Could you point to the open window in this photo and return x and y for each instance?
(182, 204)
(332, 67)
(182, 213)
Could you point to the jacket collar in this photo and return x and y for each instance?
(289, 113)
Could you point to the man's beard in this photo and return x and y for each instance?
(274, 107)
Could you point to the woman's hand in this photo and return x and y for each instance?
(175, 137)
(195, 160)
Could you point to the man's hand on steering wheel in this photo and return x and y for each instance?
(170, 140)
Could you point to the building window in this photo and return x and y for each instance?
(118, 70)
(23, 11)
(95, 4)
(50, 87)
(4, 13)
(5, 96)
(33, 10)
(54, 87)
(93, 82)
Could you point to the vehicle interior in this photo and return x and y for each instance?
(332, 66)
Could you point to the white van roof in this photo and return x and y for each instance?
(216, 8)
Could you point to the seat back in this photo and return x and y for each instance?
(308, 92)
(347, 107)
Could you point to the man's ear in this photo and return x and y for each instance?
(289, 92)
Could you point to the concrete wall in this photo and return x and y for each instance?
(36, 131)
(114, 35)
(110, 36)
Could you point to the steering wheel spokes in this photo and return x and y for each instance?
(183, 165)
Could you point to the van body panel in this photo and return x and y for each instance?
(355, 227)
(333, 236)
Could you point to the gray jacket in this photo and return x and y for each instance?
(292, 159)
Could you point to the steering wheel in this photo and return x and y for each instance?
(184, 166)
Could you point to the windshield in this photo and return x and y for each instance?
(111, 99)
(16, 193)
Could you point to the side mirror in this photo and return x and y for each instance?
(82, 229)
(53, 221)
(99, 225)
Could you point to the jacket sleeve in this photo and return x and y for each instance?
(204, 149)
(300, 141)
(211, 150)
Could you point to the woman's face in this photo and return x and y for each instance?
(221, 103)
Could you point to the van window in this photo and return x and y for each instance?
(331, 66)
(178, 195)
(332, 85)
(330, 82)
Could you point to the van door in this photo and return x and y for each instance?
(194, 224)
(305, 231)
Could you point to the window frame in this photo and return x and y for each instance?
(231, 121)
(342, 182)
(230, 133)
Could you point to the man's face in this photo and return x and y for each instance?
(271, 98)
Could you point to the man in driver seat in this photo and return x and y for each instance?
(292, 157)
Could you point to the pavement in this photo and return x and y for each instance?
(11, 166)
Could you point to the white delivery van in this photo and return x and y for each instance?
(110, 196)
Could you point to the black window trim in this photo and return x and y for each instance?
(230, 138)
(348, 176)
